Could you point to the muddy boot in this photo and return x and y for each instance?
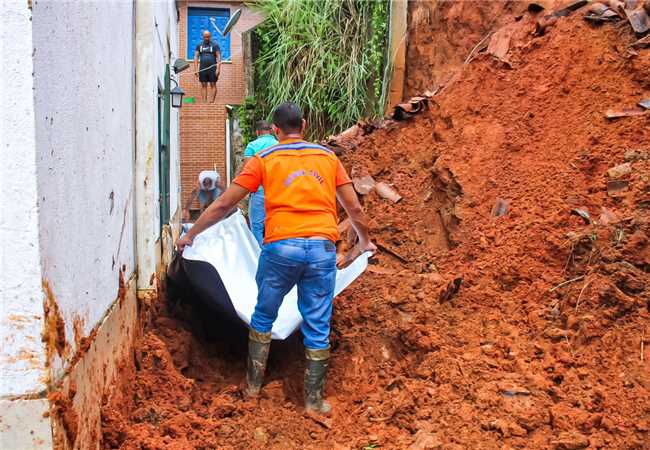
(258, 353)
(315, 374)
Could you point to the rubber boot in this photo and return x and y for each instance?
(315, 374)
(258, 353)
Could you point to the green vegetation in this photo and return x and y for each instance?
(248, 113)
(326, 55)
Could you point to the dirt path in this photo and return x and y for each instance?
(541, 347)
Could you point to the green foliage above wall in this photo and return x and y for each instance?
(326, 55)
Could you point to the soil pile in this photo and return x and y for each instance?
(509, 305)
(442, 33)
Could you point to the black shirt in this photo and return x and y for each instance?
(207, 54)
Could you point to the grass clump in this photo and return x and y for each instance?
(325, 55)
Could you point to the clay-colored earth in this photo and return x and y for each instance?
(546, 342)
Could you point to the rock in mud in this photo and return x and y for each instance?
(511, 390)
(570, 441)
(620, 171)
(504, 427)
(260, 435)
(425, 441)
(636, 155)
(557, 334)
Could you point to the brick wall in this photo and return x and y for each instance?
(203, 125)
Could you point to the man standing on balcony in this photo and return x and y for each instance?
(301, 183)
(256, 212)
(207, 62)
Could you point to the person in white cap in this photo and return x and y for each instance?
(209, 188)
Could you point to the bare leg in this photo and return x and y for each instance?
(204, 91)
(214, 91)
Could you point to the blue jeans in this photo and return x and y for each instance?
(309, 263)
(256, 215)
(207, 197)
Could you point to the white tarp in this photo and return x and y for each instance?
(229, 246)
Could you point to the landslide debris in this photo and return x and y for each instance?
(543, 344)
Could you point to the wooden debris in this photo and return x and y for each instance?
(387, 249)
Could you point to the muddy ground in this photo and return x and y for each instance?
(545, 344)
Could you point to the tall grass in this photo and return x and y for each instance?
(325, 55)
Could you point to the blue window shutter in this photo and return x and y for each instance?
(198, 20)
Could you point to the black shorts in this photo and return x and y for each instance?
(208, 76)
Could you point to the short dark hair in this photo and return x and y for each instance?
(262, 125)
(288, 117)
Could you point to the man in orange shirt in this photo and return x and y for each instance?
(301, 181)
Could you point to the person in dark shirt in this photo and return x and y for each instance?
(207, 65)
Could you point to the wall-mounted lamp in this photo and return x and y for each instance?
(177, 96)
(177, 93)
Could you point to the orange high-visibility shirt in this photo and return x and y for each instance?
(299, 180)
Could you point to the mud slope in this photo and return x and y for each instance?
(442, 33)
(545, 344)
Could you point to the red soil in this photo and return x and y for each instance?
(54, 327)
(442, 33)
(61, 407)
(545, 344)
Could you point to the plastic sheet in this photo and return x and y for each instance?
(229, 246)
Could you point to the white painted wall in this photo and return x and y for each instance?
(22, 356)
(83, 91)
(146, 179)
(166, 50)
(156, 37)
(68, 196)
(74, 170)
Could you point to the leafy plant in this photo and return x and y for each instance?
(248, 113)
(325, 55)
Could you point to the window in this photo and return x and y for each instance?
(201, 19)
